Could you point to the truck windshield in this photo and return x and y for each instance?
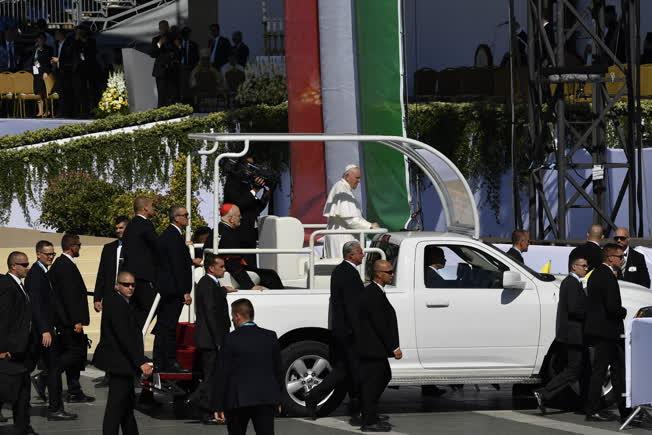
(538, 275)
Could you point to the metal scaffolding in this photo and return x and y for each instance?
(557, 136)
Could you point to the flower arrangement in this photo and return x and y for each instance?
(114, 99)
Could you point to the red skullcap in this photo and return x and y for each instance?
(225, 208)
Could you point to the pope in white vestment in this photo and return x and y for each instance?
(342, 211)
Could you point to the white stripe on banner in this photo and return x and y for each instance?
(339, 88)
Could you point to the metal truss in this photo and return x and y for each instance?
(557, 137)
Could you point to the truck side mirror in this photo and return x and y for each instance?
(513, 280)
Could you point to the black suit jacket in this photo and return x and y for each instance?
(250, 370)
(43, 57)
(166, 58)
(67, 56)
(107, 270)
(120, 350)
(191, 56)
(605, 312)
(239, 193)
(15, 323)
(46, 308)
(571, 311)
(636, 269)
(222, 52)
(433, 279)
(344, 308)
(515, 254)
(590, 251)
(212, 310)
(230, 239)
(175, 265)
(69, 287)
(140, 249)
(378, 325)
(241, 52)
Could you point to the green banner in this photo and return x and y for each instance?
(380, 105)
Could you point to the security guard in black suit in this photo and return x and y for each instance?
(70, 290)
(634, 266)
(251, 376)
(343, 319)
(603, 329)
(379, 340)
(591, 250)
(46, 309)
(212, 324)
(110, 260)
(16, 342)
(520, 244)
(571, 310)
(174, 286)
(140, 256)
(120, 353)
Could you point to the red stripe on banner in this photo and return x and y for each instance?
(307, 167)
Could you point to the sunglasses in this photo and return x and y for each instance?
(183, 215)
(617, 238)
(389, 272)
(22, 264)
(48, 254)
(127, 284)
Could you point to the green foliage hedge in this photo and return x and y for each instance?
(475, 136)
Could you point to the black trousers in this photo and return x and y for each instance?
(345, 372)
(607, 353)
(143, 299)
(268, 278)
(165, 342)
(21, 405)
(374, 376)
(203, 393)
(120, 405)
(571, 373)
(57, 359)
(168, 90)
(261, 416)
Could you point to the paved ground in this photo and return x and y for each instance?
(461, 412)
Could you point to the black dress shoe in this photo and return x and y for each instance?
(79, 398)
(378, 427)
(61, 416)
(209, 421)
(539, 397)
(39, 387)
(600, 416)
(383, 417)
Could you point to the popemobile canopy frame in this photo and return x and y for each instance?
(457, 200)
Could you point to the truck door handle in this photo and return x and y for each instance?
(437, 303)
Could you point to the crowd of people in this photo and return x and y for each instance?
(185, 73)
(65, 62)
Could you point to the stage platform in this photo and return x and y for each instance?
(21, 125)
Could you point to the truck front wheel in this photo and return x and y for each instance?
(305, 365)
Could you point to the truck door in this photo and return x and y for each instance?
(465, 320)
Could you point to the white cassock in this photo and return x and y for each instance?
(342, 212)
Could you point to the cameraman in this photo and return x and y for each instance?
(244, 190)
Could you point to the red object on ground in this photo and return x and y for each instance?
(307, 167)
(186, 349)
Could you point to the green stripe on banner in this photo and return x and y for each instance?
(379, 86)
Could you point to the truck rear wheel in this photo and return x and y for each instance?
(305, 365)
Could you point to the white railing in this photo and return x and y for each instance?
(61, 13)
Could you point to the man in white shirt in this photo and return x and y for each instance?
(343, 212)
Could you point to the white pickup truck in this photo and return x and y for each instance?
(492, 320)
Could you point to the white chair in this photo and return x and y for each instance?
(283, 233)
